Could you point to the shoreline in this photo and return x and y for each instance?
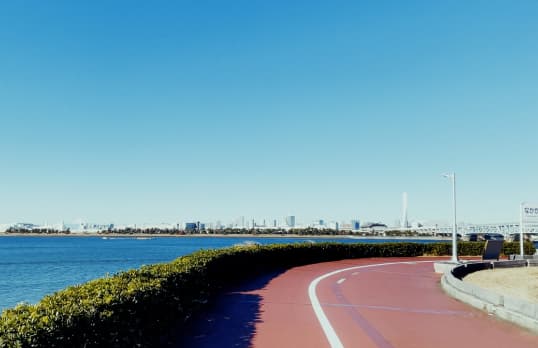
(275, 236)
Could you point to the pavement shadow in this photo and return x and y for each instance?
(229, 321)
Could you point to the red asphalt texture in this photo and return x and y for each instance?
(392, 306)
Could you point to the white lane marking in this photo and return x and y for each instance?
(400, 309)
(341, 281)
(331, 335)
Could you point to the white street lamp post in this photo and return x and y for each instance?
(521, 228)
(452, 177)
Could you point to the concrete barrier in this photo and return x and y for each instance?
(532, 263)
(524, 257)
(510, 264)
(512, 309)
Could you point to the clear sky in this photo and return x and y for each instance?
(165, 111)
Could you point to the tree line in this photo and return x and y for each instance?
(18, 230)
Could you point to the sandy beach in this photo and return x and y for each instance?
(516, 282)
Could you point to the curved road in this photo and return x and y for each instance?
(383, 303)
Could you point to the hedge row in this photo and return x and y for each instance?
(138, 308)
(476, 248)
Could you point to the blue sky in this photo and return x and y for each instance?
(134, 112)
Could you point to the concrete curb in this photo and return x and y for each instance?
(515, 310)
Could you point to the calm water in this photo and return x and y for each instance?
(31, 267)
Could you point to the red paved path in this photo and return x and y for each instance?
(388, 306)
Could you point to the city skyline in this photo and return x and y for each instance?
(143, 113)
(248, 222)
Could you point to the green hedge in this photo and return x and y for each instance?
(138, 308)
(476, 248)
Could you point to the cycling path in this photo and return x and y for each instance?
(379, 302)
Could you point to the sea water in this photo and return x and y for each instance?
(32, 267)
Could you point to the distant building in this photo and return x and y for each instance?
(90, 227)
(374, 227)
(319, 223)
(345, 227)
(191, 226)
(355, 225)
(290, 221)
(403, 221)
(194, 226)
(25, 226)
(333, 225)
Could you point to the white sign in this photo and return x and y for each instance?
(529, 214)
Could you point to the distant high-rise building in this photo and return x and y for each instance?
(355, 225)
(290, 221)
(403, 222)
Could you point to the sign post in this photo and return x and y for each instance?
(528, 218)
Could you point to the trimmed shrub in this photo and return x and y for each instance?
(137, 308)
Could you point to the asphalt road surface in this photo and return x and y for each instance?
(383, 303)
